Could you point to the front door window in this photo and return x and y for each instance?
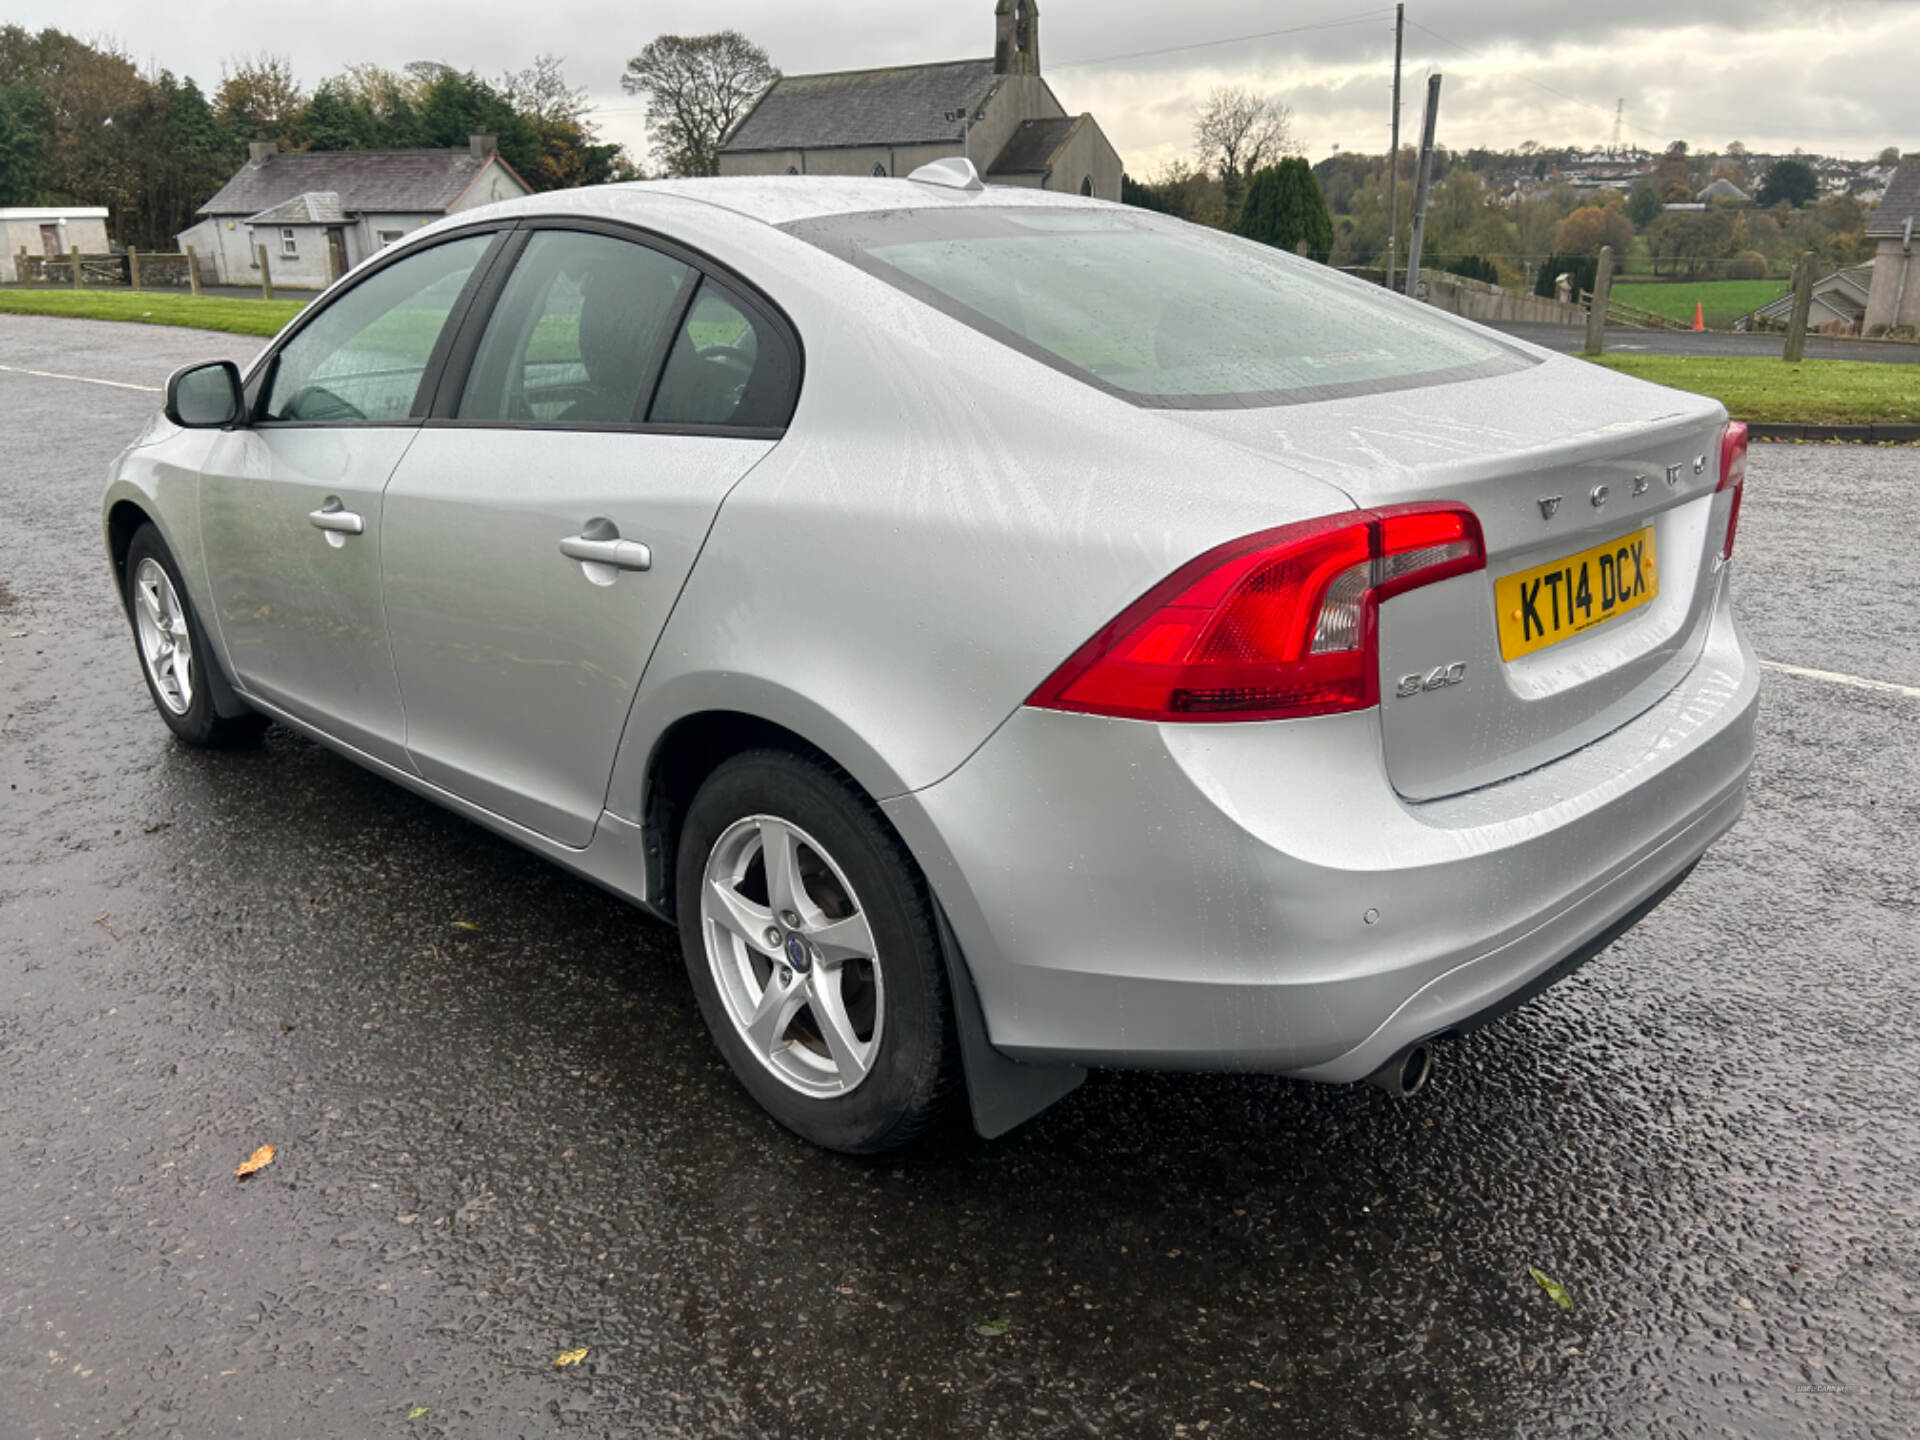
(363, 357)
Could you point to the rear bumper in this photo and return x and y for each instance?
(1257, 897)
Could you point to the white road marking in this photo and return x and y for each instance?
(1912, 692)
(83, 379)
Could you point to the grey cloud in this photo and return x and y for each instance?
(1848, 99)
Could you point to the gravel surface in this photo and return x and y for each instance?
(503, 1134)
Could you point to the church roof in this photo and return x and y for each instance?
(904, 105)
(1032, 146)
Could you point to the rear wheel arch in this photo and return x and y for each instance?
(1001, 1093)
(687, 752)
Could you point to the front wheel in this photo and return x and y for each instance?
(174, 655)
(810, 941)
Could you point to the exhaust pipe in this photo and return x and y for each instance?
(1406, 1073)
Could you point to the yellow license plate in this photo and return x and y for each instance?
(1551, 603)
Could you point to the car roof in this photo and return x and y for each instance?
(781, 199)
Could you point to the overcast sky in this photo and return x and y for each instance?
(1838, 78)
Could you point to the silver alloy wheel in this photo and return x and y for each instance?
(165, 643)
(793, 956)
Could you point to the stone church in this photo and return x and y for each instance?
(998, 112)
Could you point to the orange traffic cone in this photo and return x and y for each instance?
(1699, 316)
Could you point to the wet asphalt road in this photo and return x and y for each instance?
(504, 1135)
(1569, 339)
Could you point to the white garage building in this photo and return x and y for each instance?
(49, 231)
(321, 212)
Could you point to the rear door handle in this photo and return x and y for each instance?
(620, 554)
(336, 517)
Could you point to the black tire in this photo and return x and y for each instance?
(915, 1074)
(200, 724)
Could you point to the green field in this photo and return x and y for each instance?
(1767, 389)
(1724, 300)
(145, 307)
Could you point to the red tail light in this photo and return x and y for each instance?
(1733, 476)
(1270, 626)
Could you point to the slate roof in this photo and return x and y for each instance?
(1032, 146)
(1901, 201)
(900, 106)
(406, 181)
(1843, 293)
(1722, 189)
(315, 207)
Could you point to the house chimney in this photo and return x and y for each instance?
(261, 150)
(1016, 37)
(483, 145)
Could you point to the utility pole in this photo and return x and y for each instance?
(1420, 187)
(1393, 154)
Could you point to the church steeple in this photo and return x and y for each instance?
(1016, 37)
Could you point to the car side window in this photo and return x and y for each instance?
(575, 333)
(363, 357)
(728, 366)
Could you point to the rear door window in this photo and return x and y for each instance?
(730, 366)
(576, 333)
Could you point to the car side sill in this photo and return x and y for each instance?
(614, 858)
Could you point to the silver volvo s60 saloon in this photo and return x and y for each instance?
(1007, 633)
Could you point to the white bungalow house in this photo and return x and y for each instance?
(321, 212)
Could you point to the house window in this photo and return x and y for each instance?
(287, 247)
(388, 237)
(880, 170)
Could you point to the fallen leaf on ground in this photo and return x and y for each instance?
(416, 1412)
(992, 1327)
(465, 925)
(571, 1357)
(1555, 1290)
(259, 1160)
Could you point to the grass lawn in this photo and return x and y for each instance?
(1826, 392)
(145, 307)
(1725, 300)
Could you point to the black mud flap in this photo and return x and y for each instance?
(1002, 1092)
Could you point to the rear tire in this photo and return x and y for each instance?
(174, 655)
(840, 1025)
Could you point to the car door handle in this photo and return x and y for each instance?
(335, 517)
(621, 554)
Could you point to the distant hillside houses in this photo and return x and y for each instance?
(1599, 171)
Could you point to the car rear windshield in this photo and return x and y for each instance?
(1157, 311)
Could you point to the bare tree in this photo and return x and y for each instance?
(1238, 132)
(697, 88)
(542, 90)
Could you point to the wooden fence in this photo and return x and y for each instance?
(1620, 313)
(130, 270)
